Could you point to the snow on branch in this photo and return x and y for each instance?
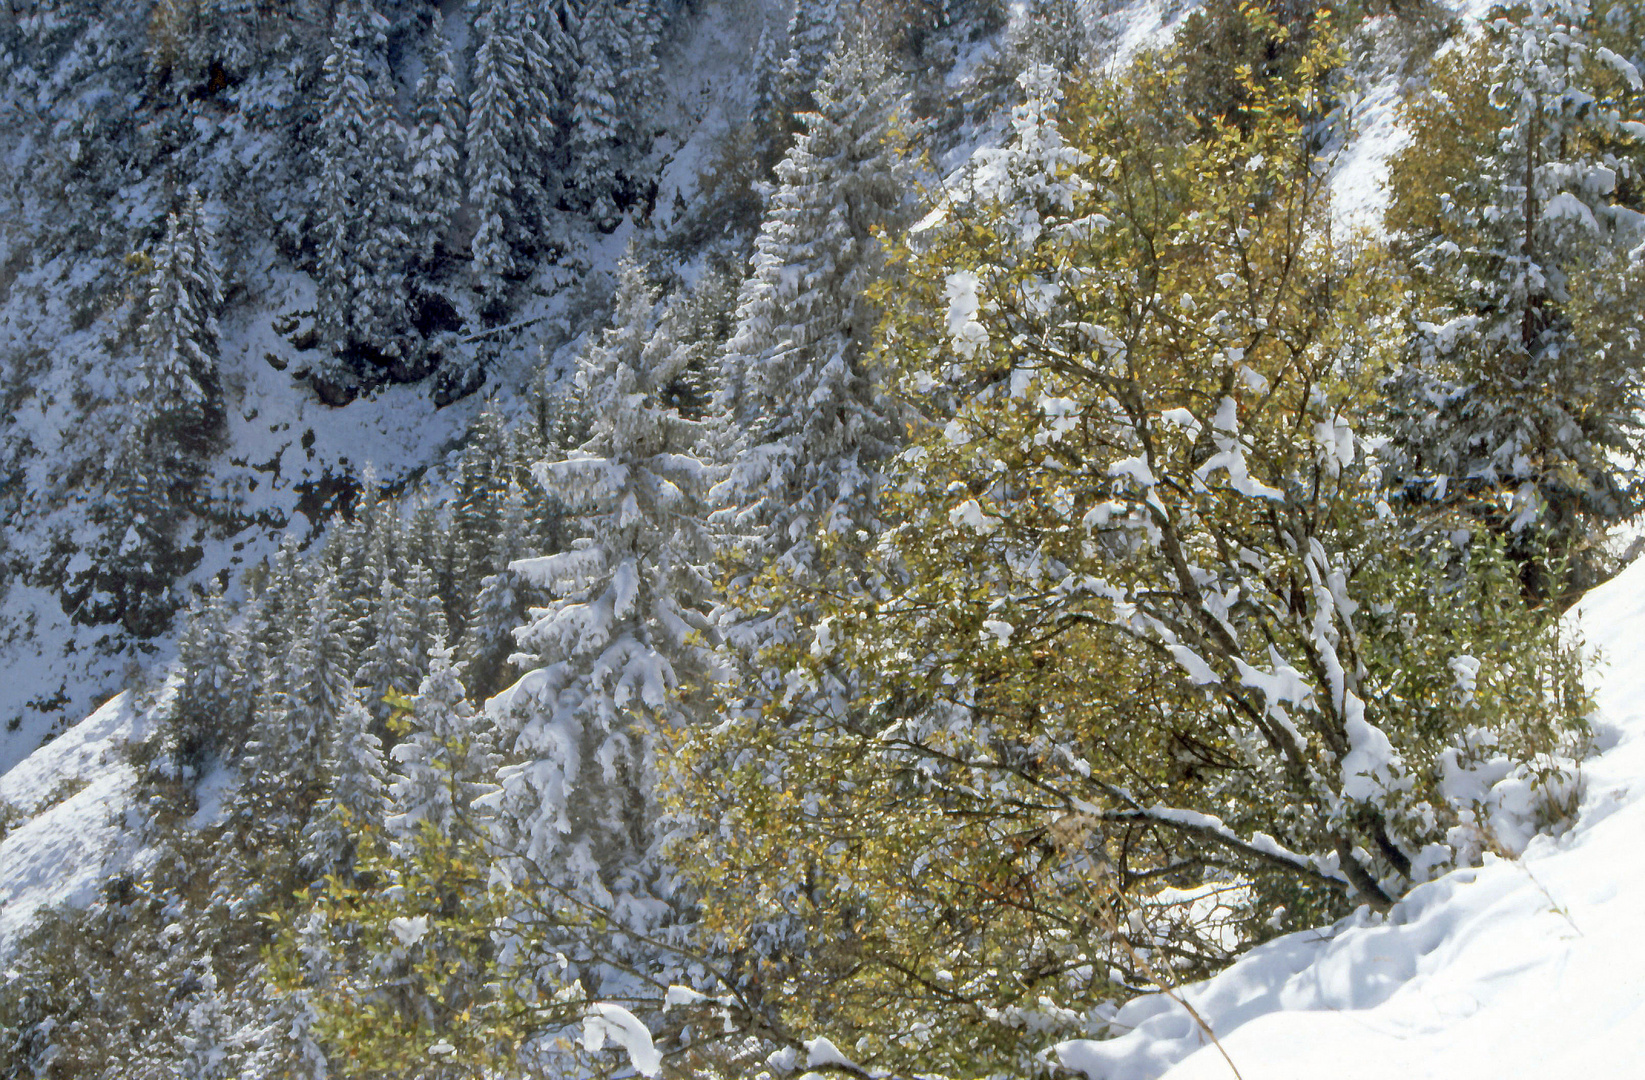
(605, 1022)
(1210, 827)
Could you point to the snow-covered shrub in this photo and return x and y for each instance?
(1500, 799)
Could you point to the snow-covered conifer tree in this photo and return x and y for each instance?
(380, 519)
(427, 541)
(346, 560)
(813, 29)
(225, 34)
(499, 603)
(425, 611)
(356, 796)
(768, 117)
(548, 63)
(638, 80)
(208, 1032)
(283, 1040)
(271, 616)
(177, 381)
(284, 764)
(363, 202)
(1516, 208)
(812, 427)
(618, 655)
(208, 714)
(491, 120)
(523, 58)
(168, 33)
(435, 188)
(447, 760)
(813, 422)
(138, 564)
(171, 419)
(594, 110)
(616, 82)
(389, 660)
(481, 483)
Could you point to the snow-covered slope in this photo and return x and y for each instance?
(1525, 967)
(69, 811)
(289, 458)
(1530, 967)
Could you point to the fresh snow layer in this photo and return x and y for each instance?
(616, 1025)
(1532, 967)
(1359, 173)
(74, 796)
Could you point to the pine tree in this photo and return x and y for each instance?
(285, 761)
(356, 798)
(271, 617)
(379, 516)
(168, 34)
(814, 427)
(797, 385)
(548, 63)
(228, 34)
(425, 611)
(174, 417)
(523, 57)
(364, 206)
(621, 651)
(435, 189)
(594, 111)
(208, 1032)
(426, 540)
(178, 388)
(491, 122)
(500, 601)
(769, 120)
(1514, 208)
(481, 483)
(207, 714)
(813, 30)
(345, 561)
(390, 664)
(446, 761)
(616, 82)
(639, 82)
(1049, 32)
(283, 1038)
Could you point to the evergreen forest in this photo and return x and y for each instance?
(759, 538)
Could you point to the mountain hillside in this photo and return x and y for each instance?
(770, 537)
(103, 143)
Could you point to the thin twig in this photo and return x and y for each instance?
(1111, 923)
(500, 329)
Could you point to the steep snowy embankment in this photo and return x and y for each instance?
(70, 816)
(1532, 967)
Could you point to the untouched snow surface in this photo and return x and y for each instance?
(1527, 968)
(71, 822)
